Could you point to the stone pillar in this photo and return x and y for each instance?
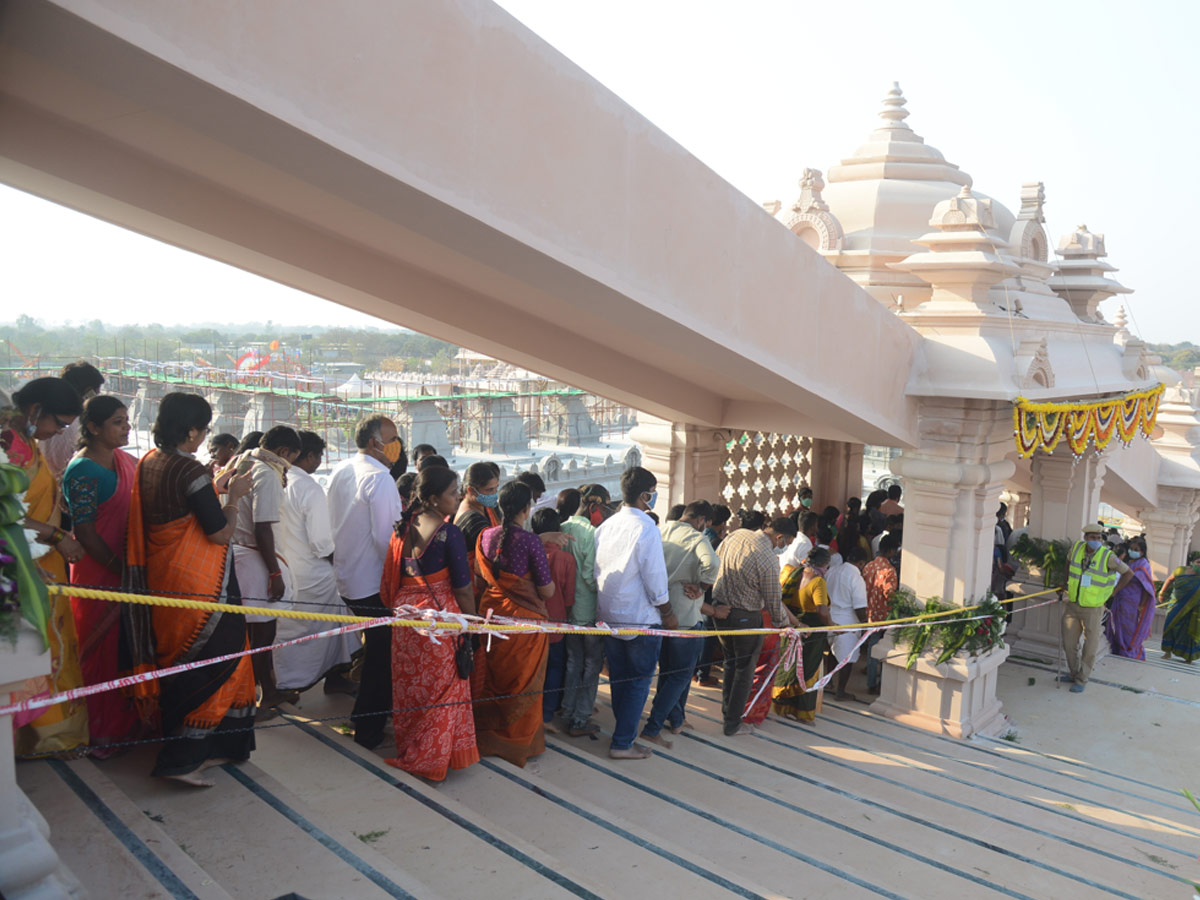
(1170, 529)
(837, 473)
(686, 460)
(952, 487)
(1066, 496)
(1018, 510)
(29, 867)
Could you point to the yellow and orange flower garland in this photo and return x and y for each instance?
(1040, 426)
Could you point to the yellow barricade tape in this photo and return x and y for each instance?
(543, 628)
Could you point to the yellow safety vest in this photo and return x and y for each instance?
(1102, 580)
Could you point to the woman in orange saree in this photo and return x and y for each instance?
(510, 677)
(427, 568)
(178, 544)
(39, 410)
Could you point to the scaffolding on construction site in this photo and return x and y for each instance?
(316, 405)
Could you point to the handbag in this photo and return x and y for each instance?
(464, 655)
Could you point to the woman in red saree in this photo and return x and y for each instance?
(178, 543)
(427, 568)
(97, 485)
(759, 703)
(508, 709)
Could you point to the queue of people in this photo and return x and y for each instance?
(254, 527)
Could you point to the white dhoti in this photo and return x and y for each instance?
(843, 644)
(253, 582)
(305, 664)
(307, 542)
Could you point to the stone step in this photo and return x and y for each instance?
(419, 826)
(106, 841)
(944, 801)
(941, 848)
(583, 847)
(257, 839)
(1062, 780)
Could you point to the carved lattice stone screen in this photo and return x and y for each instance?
(766, 471)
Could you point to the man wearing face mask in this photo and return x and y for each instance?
(1092, 577)
(364, 505)
(632, 590)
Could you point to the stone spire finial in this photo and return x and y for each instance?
(1121, 320)
(1033, 197)
(811, 185)
(963, 259)
(1081, 244)
(893, 112)
(1081, 276)
(964, 212)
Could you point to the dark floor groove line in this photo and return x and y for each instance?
(990, 771)
(334, 846)
(1041, 808)
(162, 873)
(1116, 684)
(987, 845)
(737, 829)
(998, 754)
(474, 830)
(622, 833)
(974, 810)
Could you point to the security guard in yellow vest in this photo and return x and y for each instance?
(1093, 575)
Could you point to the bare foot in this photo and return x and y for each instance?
(191, 779)
(686, 726)
(266, 713)
(637, 751)
(550, 728)
(845, 695)
(744, 728)
(657, 739)
(213, 763)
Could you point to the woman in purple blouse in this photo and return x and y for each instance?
(513, 563)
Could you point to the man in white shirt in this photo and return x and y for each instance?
(692, 567)
(262, 573)
(797, 550)
(364, 507)
(307, 544)
(847, 606)
(631, 589)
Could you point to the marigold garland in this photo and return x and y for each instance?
(1041, 426)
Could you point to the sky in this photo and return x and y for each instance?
(1093, 99)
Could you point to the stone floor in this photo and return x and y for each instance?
(1083, 801)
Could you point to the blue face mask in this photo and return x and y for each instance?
(806, 502)
(653, 499)
(491, 501)
(1135, 554)
(1093, 545)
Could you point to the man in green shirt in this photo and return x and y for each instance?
(585, 652)
(692, 567)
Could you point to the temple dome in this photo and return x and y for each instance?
(884, 196)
